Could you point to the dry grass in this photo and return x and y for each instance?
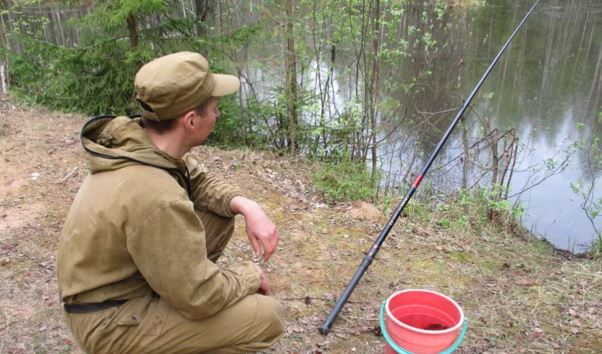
(518, 294)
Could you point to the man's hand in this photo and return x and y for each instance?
(264, 286)
(261, 230)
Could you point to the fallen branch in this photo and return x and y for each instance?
(308, 299)
(68, 175)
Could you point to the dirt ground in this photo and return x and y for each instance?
(519, 295)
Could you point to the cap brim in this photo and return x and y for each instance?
(225, 85)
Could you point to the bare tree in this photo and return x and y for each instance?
(4, 75)
(373, 82)
(291, 78)
(202, 9)
(133, 31)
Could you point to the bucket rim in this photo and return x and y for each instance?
(419, 330)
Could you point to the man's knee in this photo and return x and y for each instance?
(270, 316)
(215, 223)
(218, 231)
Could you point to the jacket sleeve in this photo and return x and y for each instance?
(169, 249)
(209, 192)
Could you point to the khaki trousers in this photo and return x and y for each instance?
(150, 325)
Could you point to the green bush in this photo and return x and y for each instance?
(478, 208)
(96, 80)
(243, 126)
(596, 250)
(344, 180)
(93, 77)
(96, 75)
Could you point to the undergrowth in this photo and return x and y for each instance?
(344, 180)
(596, 251)
(465, 208)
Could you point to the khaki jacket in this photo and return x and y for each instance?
(132, 229)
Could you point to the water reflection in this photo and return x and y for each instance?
(547, 87)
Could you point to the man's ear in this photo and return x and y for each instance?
(188, 121)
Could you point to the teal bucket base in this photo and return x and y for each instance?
(400, 350)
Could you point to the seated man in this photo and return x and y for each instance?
(136, 262)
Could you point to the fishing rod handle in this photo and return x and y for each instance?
(325, 328)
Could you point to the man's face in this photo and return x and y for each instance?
(207, 120)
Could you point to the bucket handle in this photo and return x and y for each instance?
(400, 350)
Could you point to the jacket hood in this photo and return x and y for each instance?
(112, 143)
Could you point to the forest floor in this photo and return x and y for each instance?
(519, 294)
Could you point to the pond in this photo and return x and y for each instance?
(547, 87)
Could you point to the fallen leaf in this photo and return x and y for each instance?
(525, 282)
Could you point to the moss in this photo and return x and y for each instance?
(461, 257)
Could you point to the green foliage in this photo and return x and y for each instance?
(336, 136)
(344, 180)
(444, 223)
(475, 207)
(490, 200)
(440, 9)
(585, 188)
(238, 126)
(228, 129)
(596, 249)
(468, 208)
(96, 75)
(89, 81)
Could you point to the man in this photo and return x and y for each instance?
(136, 263)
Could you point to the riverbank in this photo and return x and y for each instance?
(517, 292)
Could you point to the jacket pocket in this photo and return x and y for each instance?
(144, 313)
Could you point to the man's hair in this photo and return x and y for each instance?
(200, 109)
(163, 126)
(159, 126)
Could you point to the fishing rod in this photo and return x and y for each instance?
(325, 328)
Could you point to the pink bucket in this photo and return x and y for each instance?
(422, 321)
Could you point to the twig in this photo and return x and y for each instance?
(25, 255)
(439, 112)
(8, 325)
(561, 167)
(68, 175)
(308, 299)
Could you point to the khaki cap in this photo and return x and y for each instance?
(172, 85)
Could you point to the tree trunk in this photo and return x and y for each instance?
(495, 165)
(495, 159)
(201, 10)
(133, 31)
(220, 16)
(508, 159)
(58, 26)
(291, 78)
(466, 157)
(4, 79)
(374, 85)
